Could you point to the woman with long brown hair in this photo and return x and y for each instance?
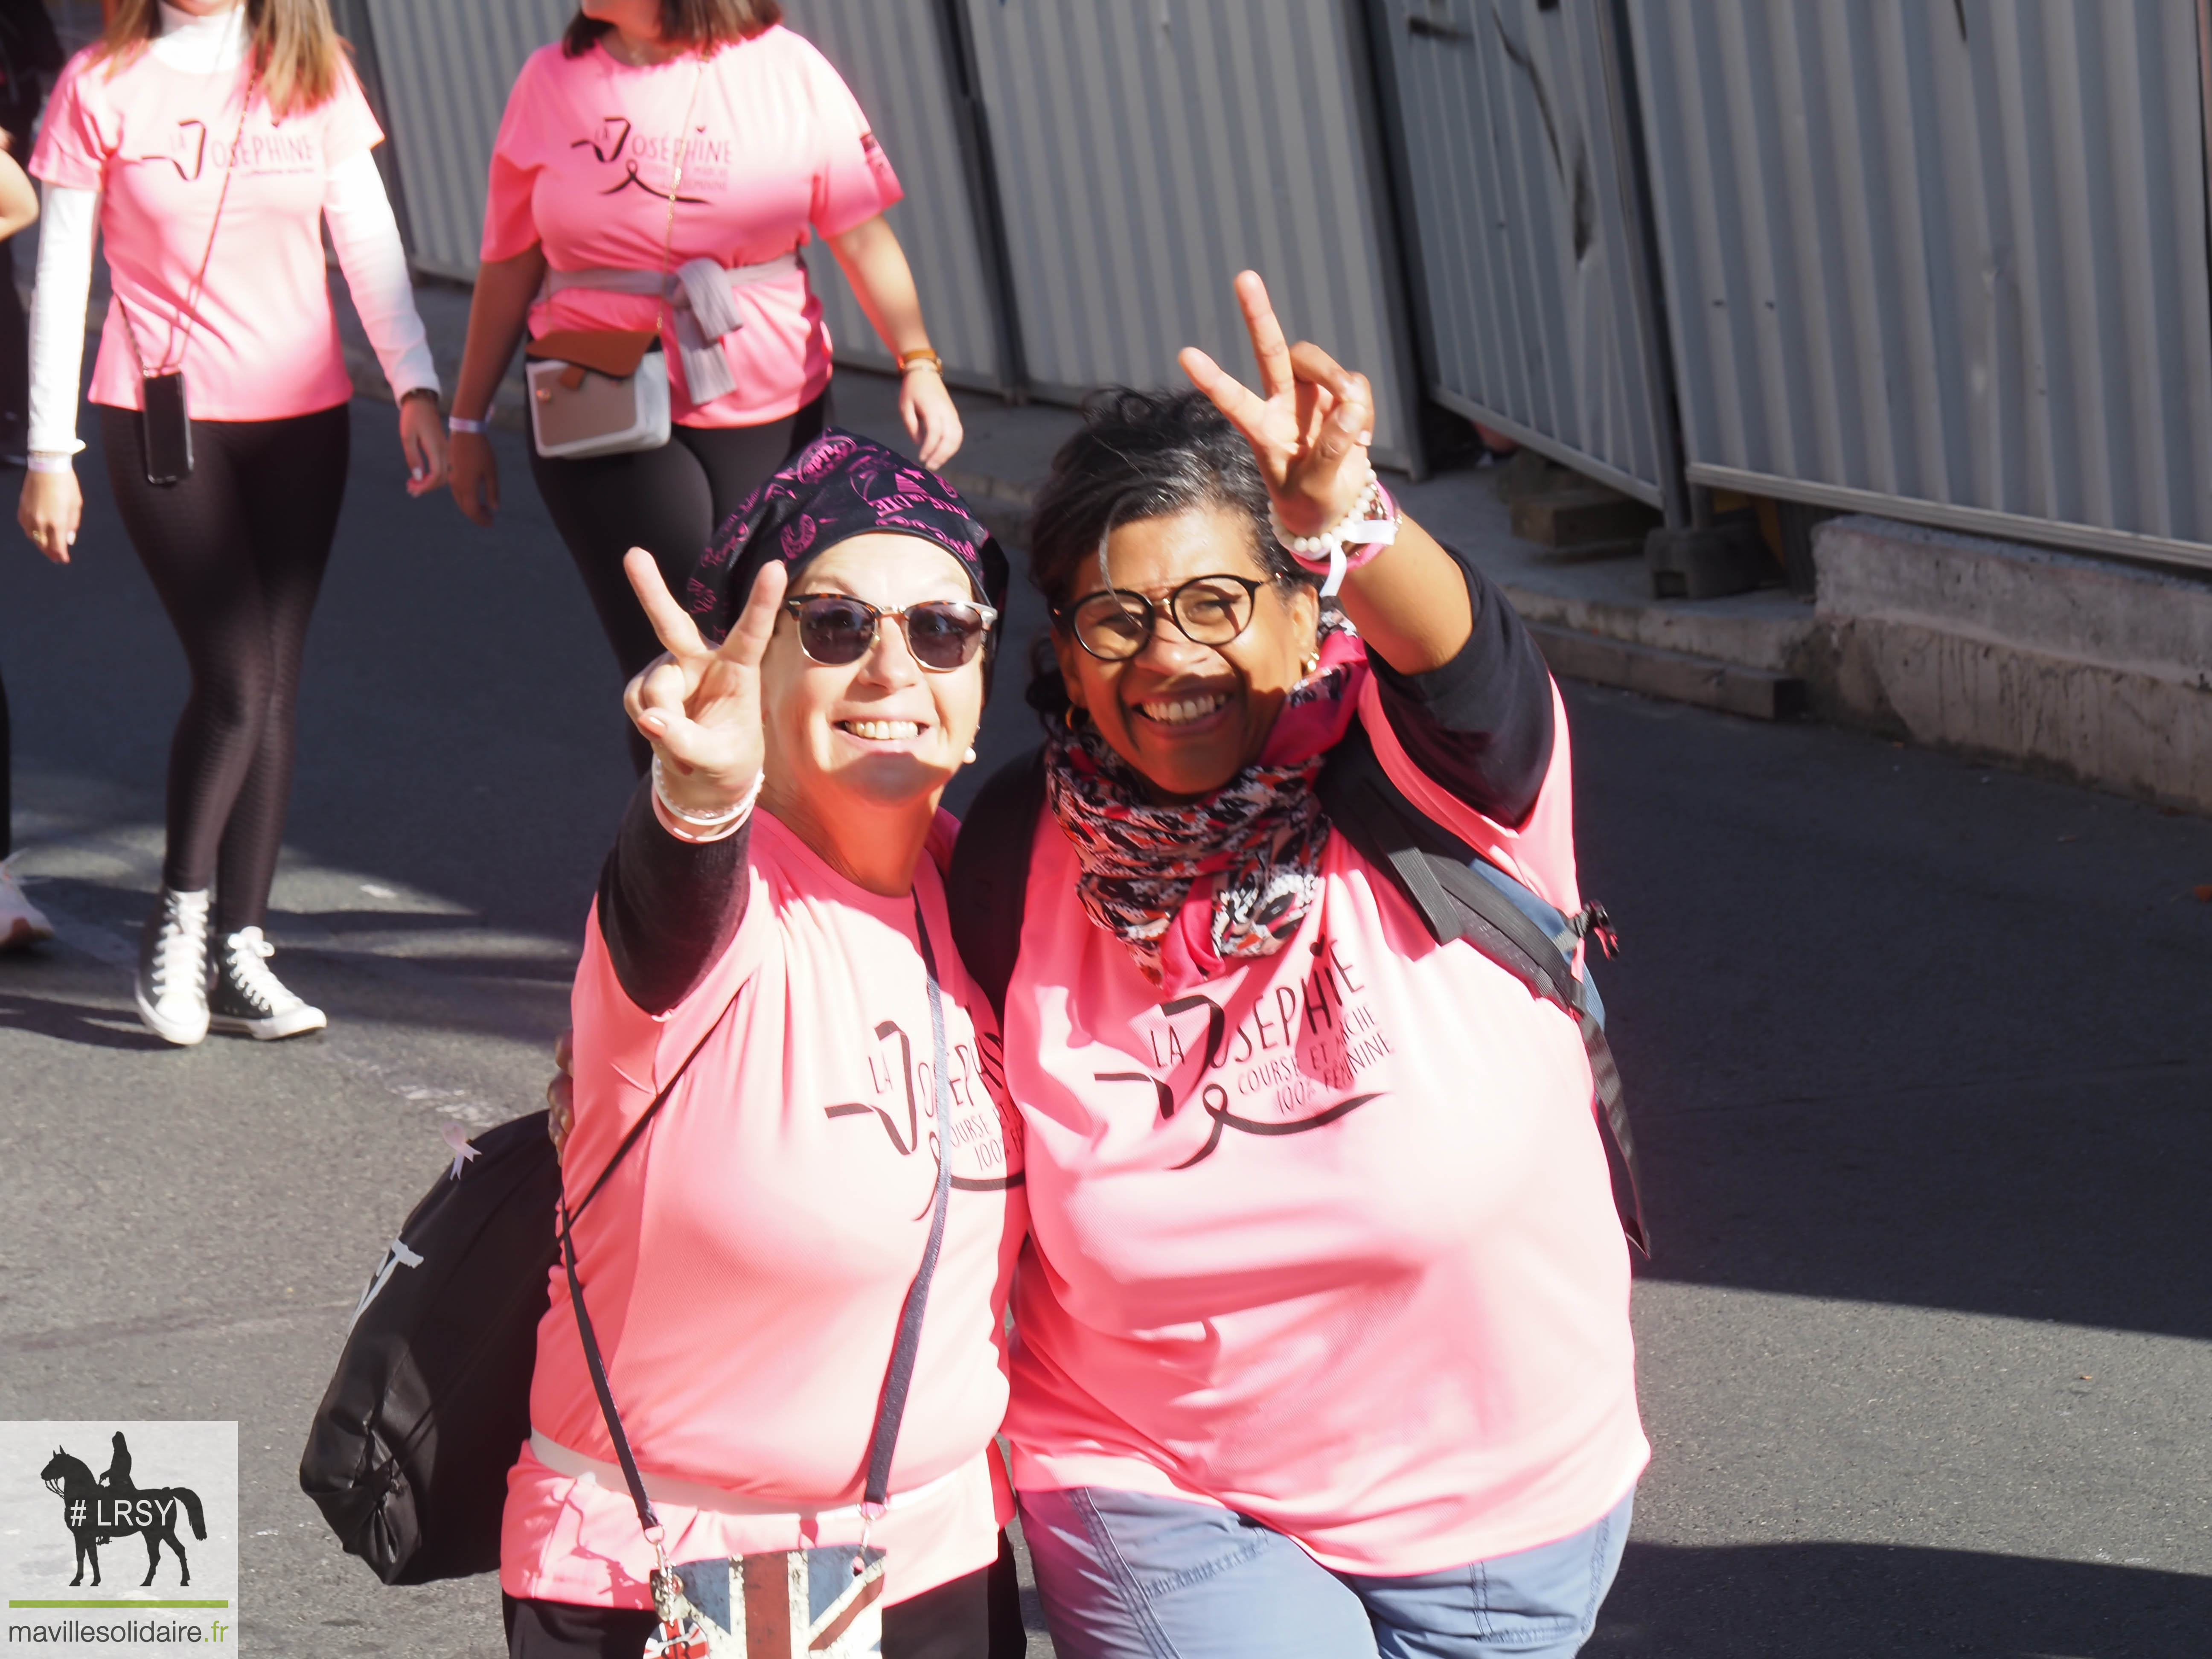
(657, 172)
(207, 142)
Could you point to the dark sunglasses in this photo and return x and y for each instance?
(836, 628)
(1113, 625)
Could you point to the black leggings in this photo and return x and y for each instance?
(668, 501)
(977, 1617)
(236, 552)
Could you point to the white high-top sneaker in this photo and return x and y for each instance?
(172, 988)
(248, 1000)
(21, 925)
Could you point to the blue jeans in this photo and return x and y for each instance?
(1129, 1576)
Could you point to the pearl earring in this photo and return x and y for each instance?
(968, 759)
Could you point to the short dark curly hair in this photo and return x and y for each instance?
(1139, 455)
(1144, 455)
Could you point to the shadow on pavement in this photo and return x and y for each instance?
(1896, 1028)
(84, 1023)
(1848, 1601)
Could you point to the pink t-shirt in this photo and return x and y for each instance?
(745, 1266)
(1331, 1239)
(779, 148)
(156, 142)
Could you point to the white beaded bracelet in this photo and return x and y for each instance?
(462, 423)
(1371, 521)
(720, 820)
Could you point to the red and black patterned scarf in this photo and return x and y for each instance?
(1252, 848)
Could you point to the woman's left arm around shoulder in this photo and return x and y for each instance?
(367, 238)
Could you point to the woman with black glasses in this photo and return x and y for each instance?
(833, 1155)
(1324, 1349)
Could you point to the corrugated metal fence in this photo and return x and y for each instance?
(1540, 316)
(1149, 152)
(445, 70)
(1943, 261)
(895, 56)
(1946, 261)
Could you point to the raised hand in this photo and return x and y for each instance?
(700, 706)
(1310, 424)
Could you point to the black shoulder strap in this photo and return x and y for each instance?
(988, 884)
(1433, 868)
(592, 1359)
(898, 1380)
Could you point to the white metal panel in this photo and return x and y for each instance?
(1147, 152)
(1527, 243)
(447, 66)
(892, 54)
(1946, 261)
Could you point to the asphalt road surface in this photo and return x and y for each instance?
(1919, 1052)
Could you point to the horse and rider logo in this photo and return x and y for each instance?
(97, 1511)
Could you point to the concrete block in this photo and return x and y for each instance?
(1769, 631)
(1579, 517)
(1526, 473)
(1705, 563)
(2096, 669)
(1756, 693)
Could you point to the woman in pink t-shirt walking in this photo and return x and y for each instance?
(207, 143)
(658, 171)
(1322, 1349)
(834, 1162)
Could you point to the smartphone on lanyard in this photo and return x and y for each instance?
(165, 418)
(166, 428)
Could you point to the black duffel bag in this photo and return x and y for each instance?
(408, 1455)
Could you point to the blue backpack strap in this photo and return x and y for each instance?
(1461, 895)
(987, 886)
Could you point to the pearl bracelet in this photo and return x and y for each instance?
(720, 820)
(1372, 522)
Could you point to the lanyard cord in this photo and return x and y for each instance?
(899, 1378)
(188, 312)
(675, 189)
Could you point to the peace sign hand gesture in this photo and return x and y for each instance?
(1309, 425)
(700, 706)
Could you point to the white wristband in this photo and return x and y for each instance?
(462, 423)
(702, 826)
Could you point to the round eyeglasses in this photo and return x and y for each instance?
(835, 630)
(1114, 624)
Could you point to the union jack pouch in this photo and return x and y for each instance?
(824, 1603)
(787, 1604)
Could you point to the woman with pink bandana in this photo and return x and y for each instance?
(797, 1278)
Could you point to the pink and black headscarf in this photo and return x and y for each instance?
(839, 486)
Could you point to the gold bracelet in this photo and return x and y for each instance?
(921, 355)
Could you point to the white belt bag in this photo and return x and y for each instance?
(576, 414)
